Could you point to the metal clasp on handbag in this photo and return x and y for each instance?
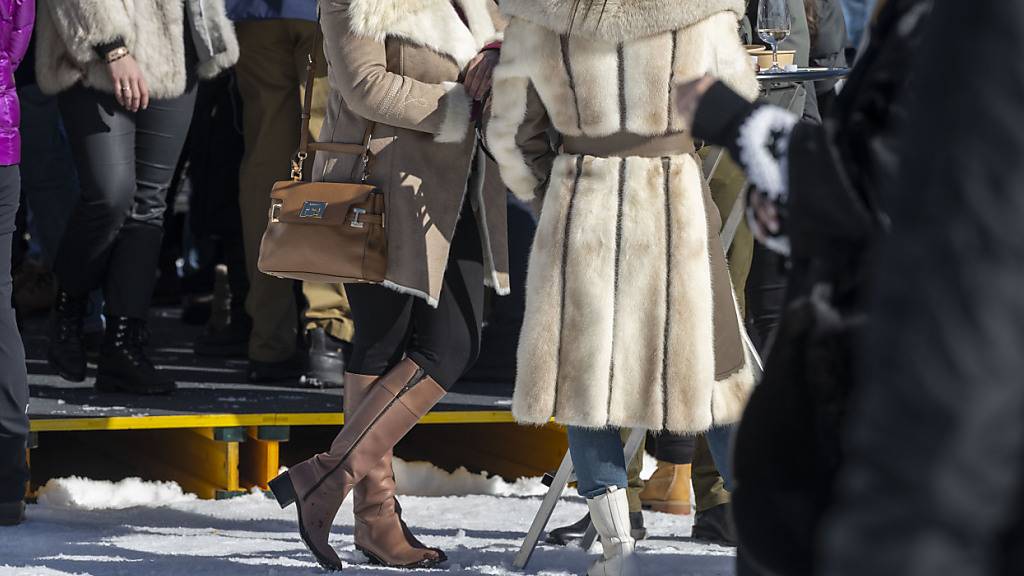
(356, 214)
(297, 163)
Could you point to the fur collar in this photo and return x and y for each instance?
(621, 19)
(430, 23)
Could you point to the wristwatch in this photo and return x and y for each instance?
(116, 54)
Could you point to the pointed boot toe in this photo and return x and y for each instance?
(315, 516)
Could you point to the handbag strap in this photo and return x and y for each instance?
(306, 145)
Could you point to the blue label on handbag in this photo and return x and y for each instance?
(311, 209)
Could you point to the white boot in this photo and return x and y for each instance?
(610, 513)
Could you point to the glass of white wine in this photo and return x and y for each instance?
(774, 26)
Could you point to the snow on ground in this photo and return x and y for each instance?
(141, 528)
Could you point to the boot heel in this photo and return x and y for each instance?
(283, 490)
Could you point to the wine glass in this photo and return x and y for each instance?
(774, 26)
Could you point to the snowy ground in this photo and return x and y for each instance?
(137, 528)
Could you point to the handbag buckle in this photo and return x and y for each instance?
(356, 214)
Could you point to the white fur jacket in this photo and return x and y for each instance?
(68, 31)
(631, 319)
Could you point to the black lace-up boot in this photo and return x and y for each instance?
(123, 364)
(66, 349)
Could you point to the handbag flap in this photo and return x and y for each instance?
(319, 202)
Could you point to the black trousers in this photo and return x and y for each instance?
(672, 448)
(13, 381)
(444, 341)
(125, 163)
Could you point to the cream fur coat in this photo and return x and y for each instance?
(631, 320)
(67, 32)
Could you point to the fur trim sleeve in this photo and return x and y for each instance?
(732, 63)
(457, 109)
(229, 56)
(85, 24)
(518, 129)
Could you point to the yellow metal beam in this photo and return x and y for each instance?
(231, 420)
(259, 460)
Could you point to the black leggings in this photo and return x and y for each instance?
(444, 341)
(125, 163)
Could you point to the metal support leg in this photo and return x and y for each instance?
(547, 507)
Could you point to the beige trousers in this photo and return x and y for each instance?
(271, 70)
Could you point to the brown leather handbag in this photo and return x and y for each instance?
(326, 231)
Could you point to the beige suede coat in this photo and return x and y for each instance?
(396, 63)
(630, 319)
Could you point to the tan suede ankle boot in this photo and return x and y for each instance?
(668, 490)
(318, 486)
(380, 532)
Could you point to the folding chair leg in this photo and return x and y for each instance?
(547, 507)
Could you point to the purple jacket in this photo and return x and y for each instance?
(16, 19)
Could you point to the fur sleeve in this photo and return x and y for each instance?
(732, 63)
(518, 130)
(85, 24)
(359, 71)
(499, 22)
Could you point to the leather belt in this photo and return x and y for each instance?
(625, 144)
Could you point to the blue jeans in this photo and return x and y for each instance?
(720, 445)
(857, 13)
(598, 460)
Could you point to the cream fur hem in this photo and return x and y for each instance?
(411, 292)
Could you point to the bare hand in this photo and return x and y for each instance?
(480, 72)
(689, 96)
(764, 212)
(130, 87)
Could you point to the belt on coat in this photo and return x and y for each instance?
(624, 144)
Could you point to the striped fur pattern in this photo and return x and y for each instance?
(584, 83)
(619, 326)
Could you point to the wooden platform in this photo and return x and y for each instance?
(218, 435)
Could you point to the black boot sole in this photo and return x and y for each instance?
(63, 372)
(421, 565)
(109, 383)
(284, 491)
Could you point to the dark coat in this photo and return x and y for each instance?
(828, 41)
(789, 446)
(934, 479)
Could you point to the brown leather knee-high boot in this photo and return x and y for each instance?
(319, 485)
(380, 533)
